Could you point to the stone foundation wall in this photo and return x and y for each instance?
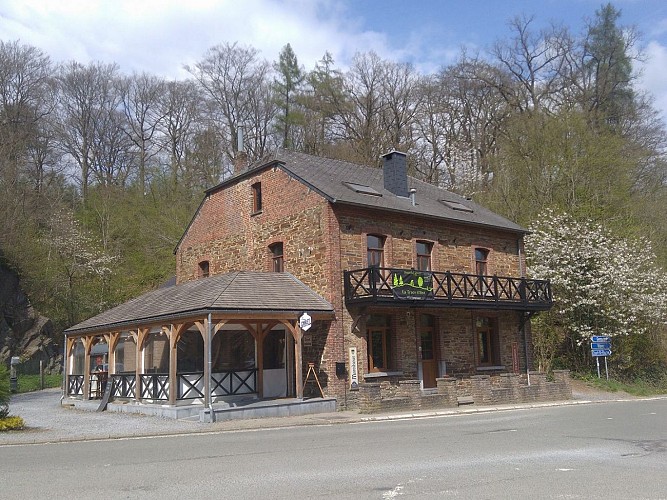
(506, 388)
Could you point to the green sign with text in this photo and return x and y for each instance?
(412, 284)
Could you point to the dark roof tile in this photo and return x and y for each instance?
(237, 291)
(329, 177)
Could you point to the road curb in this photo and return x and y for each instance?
(274, 423)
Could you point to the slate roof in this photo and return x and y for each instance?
(328, 177)
(242, 291)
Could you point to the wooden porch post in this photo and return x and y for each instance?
(87, 341)
(259, 338)
(174, 333)
(112, 342)
(206, 333)
(142, 333)
(298, 360)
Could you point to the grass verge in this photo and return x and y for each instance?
(30, 383)
(636, 388)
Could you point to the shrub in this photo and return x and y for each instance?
(11, 424)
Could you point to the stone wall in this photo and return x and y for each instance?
(404, 395)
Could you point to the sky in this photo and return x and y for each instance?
(162, 36)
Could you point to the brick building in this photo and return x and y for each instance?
(406, 285)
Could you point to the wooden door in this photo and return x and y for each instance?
(427, 350)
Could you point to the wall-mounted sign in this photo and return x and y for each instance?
(412, 284)
(307, 340)
(305, 322)
(354, 372)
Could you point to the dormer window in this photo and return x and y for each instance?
(203, 269)
(256, 198)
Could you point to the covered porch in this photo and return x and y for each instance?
(202, 347)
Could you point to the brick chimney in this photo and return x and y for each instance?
(240, 162)
(395, 170)
(241, 158)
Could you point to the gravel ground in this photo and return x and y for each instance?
(48, 421)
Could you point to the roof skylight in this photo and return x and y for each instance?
(361, 188)
(455, 205)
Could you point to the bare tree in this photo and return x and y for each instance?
(360, 115)
(400, 84)
(26, 100)
(457, 125)
(536, 65)
(141, 105)
(323, 97)
(180, 107)
(232, 77)
(87, 100)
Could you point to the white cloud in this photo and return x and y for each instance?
(160, 36)
(653, 77)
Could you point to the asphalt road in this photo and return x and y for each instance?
(605, 450)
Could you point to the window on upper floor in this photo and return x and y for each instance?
(424, 249)
(277, 257)
(375, 249)
(484, 283)
(203, 269)
(256, 197)
(481, 261)
(375, 258)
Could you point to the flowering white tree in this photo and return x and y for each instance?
(602, 285)
(76, 259)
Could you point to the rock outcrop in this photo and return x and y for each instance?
(23, 331)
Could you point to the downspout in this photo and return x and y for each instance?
(523, 319)
(210, 372)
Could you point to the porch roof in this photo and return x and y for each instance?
(240, 291)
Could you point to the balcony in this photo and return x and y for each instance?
(396, 287)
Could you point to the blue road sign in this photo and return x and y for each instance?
(601, 352)
(601, 338)
(600, 345)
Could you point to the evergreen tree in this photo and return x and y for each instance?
(608, 66)
(287, 86)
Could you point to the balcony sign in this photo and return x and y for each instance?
(409, 284)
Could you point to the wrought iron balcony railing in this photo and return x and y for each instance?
(379, 285)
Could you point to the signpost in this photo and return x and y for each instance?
(601, 347)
